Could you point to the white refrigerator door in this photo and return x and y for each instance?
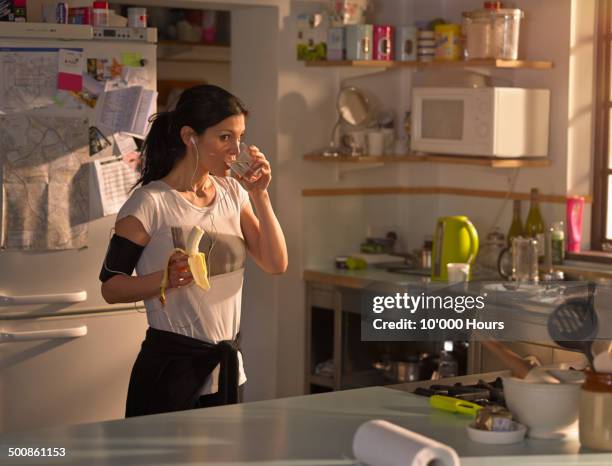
(34, 273)
(67, 370)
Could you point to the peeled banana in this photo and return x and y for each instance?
(196, 261)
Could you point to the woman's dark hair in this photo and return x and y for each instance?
(199, 107)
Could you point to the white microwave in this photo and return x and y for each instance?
(488, 121)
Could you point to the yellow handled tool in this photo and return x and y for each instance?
(454, 405)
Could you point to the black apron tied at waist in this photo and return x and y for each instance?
(171, 369)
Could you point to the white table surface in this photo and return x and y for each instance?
(305, 430)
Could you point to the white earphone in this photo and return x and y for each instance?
(192, 139)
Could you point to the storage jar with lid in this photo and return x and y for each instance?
(492, 33)
(477, 34)
(595, 422)
(506, 27)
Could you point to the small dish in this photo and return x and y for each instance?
(494, 437)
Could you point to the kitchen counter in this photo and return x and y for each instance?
(304, 430)
(359, 279)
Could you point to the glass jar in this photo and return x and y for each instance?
(506, 26)
(491, 33)
(477, 34)
(595, 422)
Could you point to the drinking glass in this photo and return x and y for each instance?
(244, 164)
(524, 259)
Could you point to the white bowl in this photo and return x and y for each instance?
(547, 409)
(497, 438)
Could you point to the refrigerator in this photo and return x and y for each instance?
(65, 354)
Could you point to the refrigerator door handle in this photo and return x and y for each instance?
(53, 298)
(55, 334)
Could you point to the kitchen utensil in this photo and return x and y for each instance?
(546, 409)
(573, 324)
(453, 405)
(455, 240)
(495, 437)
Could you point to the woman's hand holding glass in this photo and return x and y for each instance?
(259, 175)
(179, 274)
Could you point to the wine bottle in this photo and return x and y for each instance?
(516, 227)
(534, 226)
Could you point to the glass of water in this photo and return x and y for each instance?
(244, 165)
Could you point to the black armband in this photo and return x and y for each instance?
(121, 257)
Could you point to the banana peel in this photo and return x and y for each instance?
(196, 261)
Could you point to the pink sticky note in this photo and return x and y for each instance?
(70, 70)
(70, 82)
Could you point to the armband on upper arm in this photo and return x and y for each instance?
(121, 258)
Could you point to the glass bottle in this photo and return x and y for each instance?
(534, 226)
(516, 227)
(558, 243)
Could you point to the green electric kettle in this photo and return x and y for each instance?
(455, 240)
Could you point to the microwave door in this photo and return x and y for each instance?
(442, 120)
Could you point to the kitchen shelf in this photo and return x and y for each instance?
(424, 190)
(486, 63)
(534, 162)
(190, 44)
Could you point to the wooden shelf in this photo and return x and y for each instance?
(493, 162)
(435, 190)
(190, 44)
(486, 63)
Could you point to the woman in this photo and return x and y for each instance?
(190, 356)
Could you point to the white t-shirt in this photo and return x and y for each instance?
(210, 315)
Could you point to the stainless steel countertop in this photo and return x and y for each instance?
(305, 430)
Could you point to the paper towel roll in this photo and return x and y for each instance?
(381, 443)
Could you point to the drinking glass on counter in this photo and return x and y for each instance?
(524, 259)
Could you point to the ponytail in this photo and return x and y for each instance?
(199, 107)
(160, 149)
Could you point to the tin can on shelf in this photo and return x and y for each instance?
(406, 43)
(336, 48)
(358, 41)
(448, 42)
(383, 42)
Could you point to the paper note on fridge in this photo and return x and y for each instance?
(115, 178)
(70, 70)
(125, 110)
